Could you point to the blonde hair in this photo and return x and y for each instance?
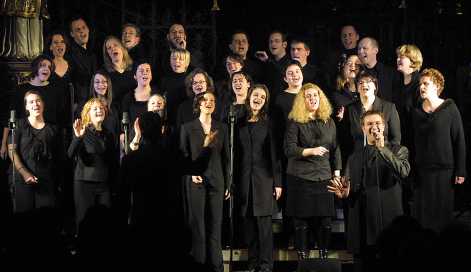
(299, 113)
(85, 115)
(127, 60)
(183, 54)
(413, 53)
(436, 77)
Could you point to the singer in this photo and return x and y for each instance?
(440, 152)
(372, 184)
(93, 150)
(34, 154)
(135, 103)
(259, 185)
(205, 193)
(313, 158)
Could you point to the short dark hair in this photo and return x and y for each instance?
(366, 74)
(371, 112)
(138, 29)
(76, 18)
(284, 38)
(37, 61)
(290, 63)
(240, 31)
(300, 40)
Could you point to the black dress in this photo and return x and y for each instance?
(440, 157)
(308, 176)
(39, 153)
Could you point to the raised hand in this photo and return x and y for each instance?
(79, 129)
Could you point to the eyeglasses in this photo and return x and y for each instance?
(199, 82)
(366, 81)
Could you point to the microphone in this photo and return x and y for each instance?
(125, 123)
(125, 120)
(232, 113)
(12, 121)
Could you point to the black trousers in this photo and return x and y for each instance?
(27, 197)
(205, 223)
(88, 194)
(259, 237)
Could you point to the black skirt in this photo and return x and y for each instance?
(307, 198)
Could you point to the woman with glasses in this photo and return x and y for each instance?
(367, 86)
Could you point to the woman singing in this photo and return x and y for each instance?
(440, 152)
(206, 192)
(93, 150)
(313, 158)
(260, 181)
(33, 154)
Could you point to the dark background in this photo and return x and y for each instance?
(434, 25)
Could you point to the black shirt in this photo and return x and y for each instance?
(439, 138)
(38, 149)
(173, 88)
(122, 83)
(85, 64)
(315, 133)
(95, 156)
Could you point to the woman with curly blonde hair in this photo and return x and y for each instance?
(94, 152)
(313, 160)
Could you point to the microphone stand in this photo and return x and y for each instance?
(12, 127)
(232, 120)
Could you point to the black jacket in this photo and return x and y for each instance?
(367, 168)
(260, 170)
(94, 155)
(191, 145)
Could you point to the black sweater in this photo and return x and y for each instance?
(439, 138)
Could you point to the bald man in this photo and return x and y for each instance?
(368, 49)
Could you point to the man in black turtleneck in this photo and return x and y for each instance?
(82, 59)
(367, 52)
